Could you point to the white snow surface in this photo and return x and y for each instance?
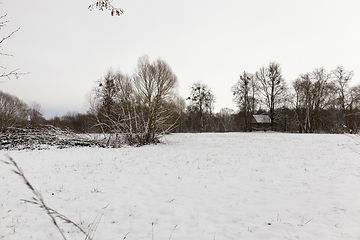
(209, 185)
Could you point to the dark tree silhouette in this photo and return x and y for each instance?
(245, 96)
(202, 101)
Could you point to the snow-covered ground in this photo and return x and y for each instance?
(210, 186)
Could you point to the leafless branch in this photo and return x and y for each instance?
(9, 74)
(8, 36)
(3, 23)
(13, 73)
(106, 5)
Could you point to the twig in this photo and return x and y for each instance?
(8, 36)
(309, 221)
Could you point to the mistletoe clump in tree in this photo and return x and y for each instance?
(201, 102)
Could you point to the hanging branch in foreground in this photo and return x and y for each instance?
(4, 72)
(53, 214)
(106, 5)
(8, 74)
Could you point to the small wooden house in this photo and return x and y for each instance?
(260, 122)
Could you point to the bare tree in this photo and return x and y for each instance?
(104, 101)
(202, 101)
(155, 83)
(139, 108)
(354, 99)
(304, 103)
(226, 119)
(35, 114)
(314, 94)
(324, 96)
(245, 95)
(113, 105)
(342, 79)
(352, 115)
(13, 111)
(272, 87)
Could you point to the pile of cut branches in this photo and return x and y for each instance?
(44, 138)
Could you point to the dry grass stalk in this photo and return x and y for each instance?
(53, 214)
(38, 199)
(172, 232)
(95, 224)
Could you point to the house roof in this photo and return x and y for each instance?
(261, 119)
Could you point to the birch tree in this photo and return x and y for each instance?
(315, 93)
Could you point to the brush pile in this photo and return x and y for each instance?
(44, 137)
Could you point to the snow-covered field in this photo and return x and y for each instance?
(210, 186)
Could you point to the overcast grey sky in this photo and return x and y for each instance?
(66, 48)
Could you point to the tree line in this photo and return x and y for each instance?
(317, 101)
(139, 108)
